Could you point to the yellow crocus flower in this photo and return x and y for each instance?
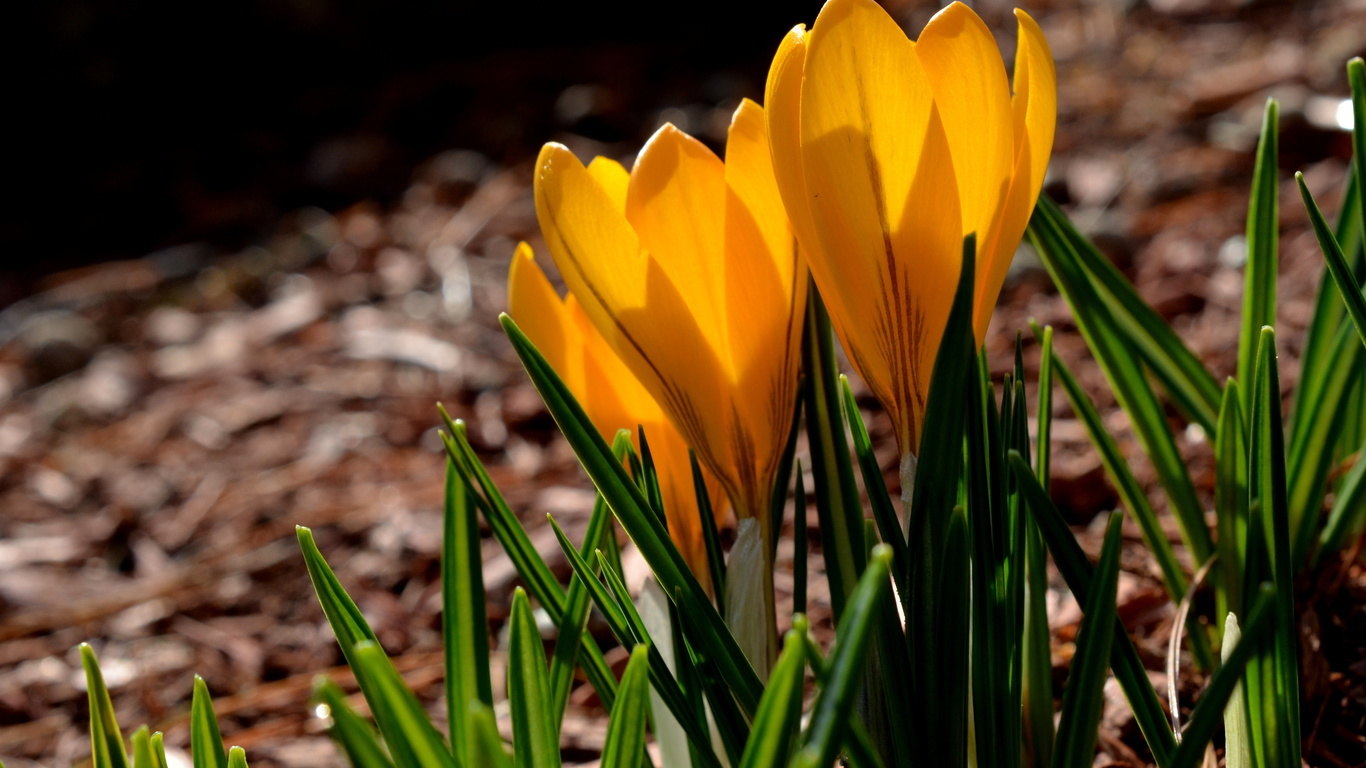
(888, 152)
(689, 269)
(611, 396)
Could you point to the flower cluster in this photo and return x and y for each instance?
(872, 159)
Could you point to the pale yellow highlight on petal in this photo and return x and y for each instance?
(1034, 108)
(677, 205)
(884, 201)
(1036, 85)
(613, 177)
(782, 100)
(635, 302)
(965, 70)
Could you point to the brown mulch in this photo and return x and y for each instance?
(165, 422)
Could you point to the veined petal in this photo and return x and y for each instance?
(883, 198)
(631, 300)
(1034, 109)
(613, 178)
(765, 280)
(677, 205)
(782, 108)
(965, 70)
(611, 395)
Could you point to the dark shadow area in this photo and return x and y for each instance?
(148, 123)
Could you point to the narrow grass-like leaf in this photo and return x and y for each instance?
(1136, 500)
(625, 740)
(995, 711)
(834, 703)
(348, 624)
(1329, 311)
(1044, 444)
(401, 719)
(837, 499)
(1076, 570)
(533, 727)
(1259, 288)
(106, 741)
(799, 545)
(932, 647)
(143, 756)
(953, 619)
(1230, 499)
(464, 623)
(356, 738)
(1321, 419)
(1113, 350)
(1266, 479)
(858, 747)
(237, 758)
(1337, 260)
(1237, 741)
(885, 704)
(780, 710)
(159, 748)
(1348, 510)
(1085, 692)
(783, 481)
(644, 472)
(1356, 77)
(1182, 374)
(412, 739)
(489, 751)
(629, 634)
(1209, 711)
(711, 538)
(570, 635)
(883, 512)
(1037, 682)
(541, 583)
(206, 741)
(705, 626)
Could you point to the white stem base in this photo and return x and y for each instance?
(749, 597)
(908, 467)
(654, 612)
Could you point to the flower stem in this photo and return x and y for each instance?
(908, 465)
(750, 610)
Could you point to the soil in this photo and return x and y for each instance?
(166, 420)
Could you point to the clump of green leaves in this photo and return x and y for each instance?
(968, 565)
(1271, 524)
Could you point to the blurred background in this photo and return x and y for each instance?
(245, 247)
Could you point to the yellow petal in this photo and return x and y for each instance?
(782, 107)
(965, 70)
(630, 298)
(676, 203)
(1035, 114)
(613, 178)
(540, 313)
(1036, 96)
(765, 286)
(883, 199)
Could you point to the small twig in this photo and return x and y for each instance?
(1174, 644)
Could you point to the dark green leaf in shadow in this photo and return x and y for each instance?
(1084, 695)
